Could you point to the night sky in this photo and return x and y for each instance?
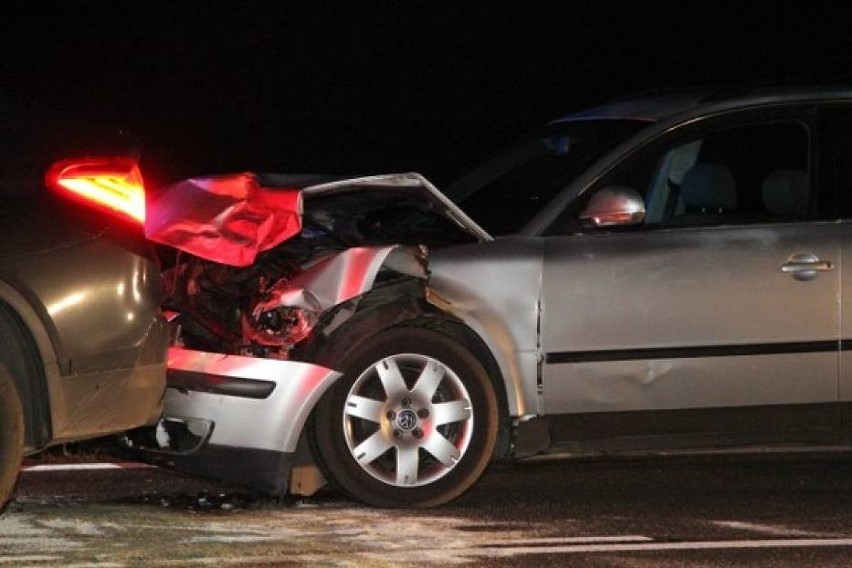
(386, 86)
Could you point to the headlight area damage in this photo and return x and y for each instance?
(257, 265)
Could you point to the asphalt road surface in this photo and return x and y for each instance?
(743, 510)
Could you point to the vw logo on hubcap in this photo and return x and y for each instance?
(407, 420)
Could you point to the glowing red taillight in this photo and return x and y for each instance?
(114, 184)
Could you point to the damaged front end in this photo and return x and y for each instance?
(253, 266)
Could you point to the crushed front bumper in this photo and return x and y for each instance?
(235, 418)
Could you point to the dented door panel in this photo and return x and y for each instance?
(690, 319)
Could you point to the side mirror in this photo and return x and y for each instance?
(614, 206)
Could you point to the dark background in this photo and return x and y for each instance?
(386, 86)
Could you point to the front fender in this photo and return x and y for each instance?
(347, 325)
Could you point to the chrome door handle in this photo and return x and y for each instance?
(804, 266)
(821, 266)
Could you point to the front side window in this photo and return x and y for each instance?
(505, 193)
(754, 173)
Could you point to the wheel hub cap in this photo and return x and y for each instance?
(407, 420)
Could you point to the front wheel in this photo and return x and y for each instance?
(11, 436)
(412, 423)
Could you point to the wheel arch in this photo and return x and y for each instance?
(397, 305)
(23, 332)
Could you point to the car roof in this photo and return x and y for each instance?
(654, 107)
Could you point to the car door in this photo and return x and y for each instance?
(719, 313)
(836, 167)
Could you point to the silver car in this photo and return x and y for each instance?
(655, 274)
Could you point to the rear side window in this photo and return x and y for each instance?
(750, 173)
(836, 151)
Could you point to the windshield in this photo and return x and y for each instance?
(508, 191)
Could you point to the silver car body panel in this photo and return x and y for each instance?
(845, 231)
(231, 218)
(650, 109)
(680, 319)
(494, 289)
(702, 102)
(273, 423)
(340, 276)
(413, 181)
(228, 218)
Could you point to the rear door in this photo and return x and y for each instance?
(718, 315)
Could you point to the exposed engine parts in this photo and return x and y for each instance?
(255, 272)
(266, 309)
(222, 308)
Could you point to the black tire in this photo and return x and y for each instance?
(11, 436)
(420, 444)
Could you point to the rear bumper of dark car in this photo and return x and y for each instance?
(115, 400)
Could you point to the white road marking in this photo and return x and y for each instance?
(664, 546)
(762, 529)
(96, 565)
(514, 542)
(18, 559)
(364, 535)
(225, 539)
(84, 466)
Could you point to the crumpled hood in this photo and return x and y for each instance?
(232, 218)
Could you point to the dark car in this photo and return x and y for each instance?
(82, 336)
